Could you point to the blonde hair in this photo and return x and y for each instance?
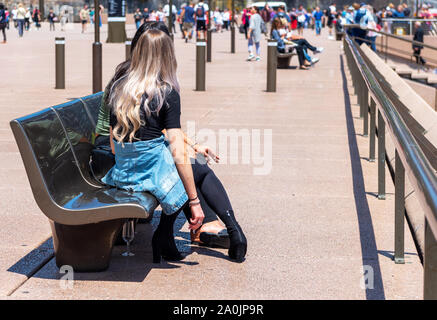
(152, 71)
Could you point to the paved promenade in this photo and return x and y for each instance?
(312, 222)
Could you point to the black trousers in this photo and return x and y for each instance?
(305, 44)
(300, 54)
(419, 59)
(212, 195)
(3, 29)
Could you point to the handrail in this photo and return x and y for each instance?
(422, 174)
(391, 35)
(409, 158)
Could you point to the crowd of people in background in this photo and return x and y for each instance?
(286, 26)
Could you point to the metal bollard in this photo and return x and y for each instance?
(208, 45)
(200, 65)
(399, 209)
(381, 157)
(128, 44)
(60, 62)
(97, 67)
(271, 65)
(233, 42)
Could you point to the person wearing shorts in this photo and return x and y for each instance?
(200, 11)
(188, 18)
(84, 15)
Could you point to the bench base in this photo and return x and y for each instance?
(284, 60)
(86, 248)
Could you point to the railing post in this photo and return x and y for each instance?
(372, 130)
(200, 64)
(365, 108)
(430, 265)
(399, 209)
(381, 157)
(60, 62)
(271, 65)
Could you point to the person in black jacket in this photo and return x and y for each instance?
(3, 22)
(418, 36)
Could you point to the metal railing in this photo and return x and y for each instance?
(384, 40)
(405, 26)
(409, 158)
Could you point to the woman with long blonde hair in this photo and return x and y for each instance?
(144, 102)
(148, 67)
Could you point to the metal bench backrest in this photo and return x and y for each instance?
(61, 140)
(55, 145)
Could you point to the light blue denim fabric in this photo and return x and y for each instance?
(148, 166)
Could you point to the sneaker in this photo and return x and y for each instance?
(320, 49)
(258, 59)
(314, 60)
(251, 56)
(331, 38)
(186, 40)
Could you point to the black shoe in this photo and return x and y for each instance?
(163, 244)
(238, 242)
(215, 240)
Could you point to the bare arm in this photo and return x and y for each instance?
(111, 140)
(183, 165)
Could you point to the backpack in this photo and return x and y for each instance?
(200, 11)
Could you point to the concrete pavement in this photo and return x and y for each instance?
(312, 222)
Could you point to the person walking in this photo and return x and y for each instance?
(188, 17)
(138, 17)
(84, 15)
(64, 19)
(254, 34)
(51, 18)
(3, 21)
(21, 12)
(36, 17)
(200, 15)
(14, 16)
(27, 20)
(146, 15)
(417, 48)
(318, 15)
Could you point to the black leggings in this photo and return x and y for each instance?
(212, 195)
(305, 44)
(3, 29)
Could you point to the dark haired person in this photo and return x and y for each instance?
(3, 21)
(417, 48)
(51, 18)
(275, 34)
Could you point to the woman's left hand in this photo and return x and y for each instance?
(208, 153)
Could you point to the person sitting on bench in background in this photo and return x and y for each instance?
(282, 45)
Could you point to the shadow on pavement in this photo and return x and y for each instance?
(367, 236)
(40, 262)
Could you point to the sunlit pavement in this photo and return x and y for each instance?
(311, 218)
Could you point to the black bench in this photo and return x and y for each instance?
(284, 59)
(85, 216)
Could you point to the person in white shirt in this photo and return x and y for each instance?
(160, 14)
(174, 12)
(218, 20)
(226, 17)
(14, 16)
(200, 11)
